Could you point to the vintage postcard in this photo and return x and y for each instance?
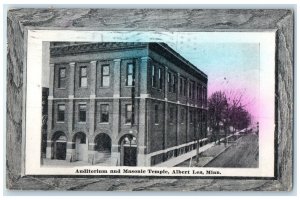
(145, 103)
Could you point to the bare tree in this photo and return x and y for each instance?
(239, 117)
(217, 108)
(225, 111)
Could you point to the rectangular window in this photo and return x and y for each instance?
(174, 83)
(153, 78)
(180, 86)
(171, 110)
(82, 113)
(199, 117)
(203, 117)
(105, 76)
(169, 82)
(184, 87)
(201, 95)
(193, 90)
(83, 77)
(62, 78)
(129, 73)
(190, 90)
(191, 117)
(128, 113)
(156, 114)
(197, 92)
(104, 114)
(61, 113)
(205, 96)
(182, 115)
(159, 78)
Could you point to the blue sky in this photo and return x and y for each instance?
(231, 67)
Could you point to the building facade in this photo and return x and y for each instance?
(123, 104)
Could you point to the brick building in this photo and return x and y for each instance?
(123, 104)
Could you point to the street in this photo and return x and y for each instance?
(243, 153)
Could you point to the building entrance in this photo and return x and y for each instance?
(103, 148)
(60, 150)
(81, 147)
(59, 146)
(128, 150)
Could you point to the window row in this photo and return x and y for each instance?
(104, 113)
(105, 76)
(156, 79)
(194, 92)
(129, 114)
(172, 115)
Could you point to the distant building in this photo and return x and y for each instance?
(45, 94)
(123, 103)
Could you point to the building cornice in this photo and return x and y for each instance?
(74, 49)
(160, 48)
(144, 96)
(174, 57)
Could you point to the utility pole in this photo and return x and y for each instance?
(197, 147)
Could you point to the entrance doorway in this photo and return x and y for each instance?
(128, 150)
(59, 146)
(81, 147)
(102, 148)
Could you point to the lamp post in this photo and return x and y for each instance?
(221, 125)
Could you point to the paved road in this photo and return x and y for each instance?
(243, 153)
(209, 154)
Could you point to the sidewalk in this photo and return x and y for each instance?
(206, 156)
(64, 163)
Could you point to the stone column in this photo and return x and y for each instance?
(72, 78)
(51, 80)
(187, 123)
(93, 77)
(178, 110)
(92, 108)
(115, 154)
(165, 110)
(92, 99)
(188, 110)
(70, 113)
(142, 159)
(142, 133)
(91, 153)
(49, 150)
(71, 151)
(144, 75)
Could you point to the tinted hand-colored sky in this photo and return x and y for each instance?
(231, 67)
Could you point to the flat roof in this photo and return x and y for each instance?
(173, 53)
(65, 48)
